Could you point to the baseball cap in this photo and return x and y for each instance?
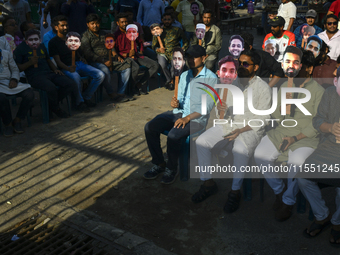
(311, 13)
(196, 51)
(277, 21)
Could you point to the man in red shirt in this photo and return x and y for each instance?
(124, 50)
(282, 37)
(335, 8)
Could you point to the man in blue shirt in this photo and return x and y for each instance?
(185, 118)
(311, 16)
(149, 12)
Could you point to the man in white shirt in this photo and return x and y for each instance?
(287, 10)
(19, 9)
(331, 36)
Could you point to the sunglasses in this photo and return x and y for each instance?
(109, 41)
(332, 23)
(245, 64)
(311, 47)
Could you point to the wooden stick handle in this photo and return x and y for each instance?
(338, 140)
(132, 46)
(160, 42)
(176, 86)
(34, 55)
(224, 99)
(200, 42)
(110, 59)
(73, 58)
(303, 43)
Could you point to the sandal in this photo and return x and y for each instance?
(316, 226)
(336, 236)
(203, 193)
(232, 203)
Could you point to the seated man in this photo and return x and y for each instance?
(282, 37)
(53, 33)
(62, 54)
(212, 41)
(10, 85)
(171, 38)
(10, 27)
(311, 16)
(245, 137)
(301, 137)
(124, 50)
(326, 155)
(41, 73)
(185, 118)
(93, 47)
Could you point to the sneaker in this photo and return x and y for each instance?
(153, 172)
(143, 92)
(8, 131)
(89, 103)
(122, 99)
(169, 176)
(60, 113)
(82, 107)
(18, 128)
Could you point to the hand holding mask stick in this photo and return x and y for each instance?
(157, 30)
(73, 42)
(177, 65)
(200, 32)
(224, 99)
(132, 34)
(109, 44)
(33, 41)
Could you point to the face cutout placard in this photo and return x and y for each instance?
(178, 61)
(156, 29)
(109, 42)
(194, 8)
(307, 31)
(132, 32)
(33, 41)
(73, 40)
(314, 45)
(272, 48)
(236, 46)
(200, 31)
(291, 64)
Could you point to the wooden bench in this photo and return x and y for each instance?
(238, 21)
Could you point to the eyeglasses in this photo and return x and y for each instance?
(245, 64)
(311, 47)
(332, 23)
(109, 41)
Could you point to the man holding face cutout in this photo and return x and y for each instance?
(241, 140)
(236, 46)
(61, 48)
(324, 66)
(170, 37)
(124, 37)
(300, 140)
(185, 118)
(45, 76)
(212, 40)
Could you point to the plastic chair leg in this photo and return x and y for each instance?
(301, 203)
(184, 160)
(247, 189)
(44, 106)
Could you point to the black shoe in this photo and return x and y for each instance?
(136, 92)
(60, 113)
(82, 107)
(143, 92)
(232, 203)
(169, 176)
(18, 128)
(122, 99)
(153, 172)
(89, 103)
(8, 132)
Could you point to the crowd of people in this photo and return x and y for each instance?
(183, 40)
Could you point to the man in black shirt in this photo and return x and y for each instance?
(45, 75)
(63, 57)
(268, 67)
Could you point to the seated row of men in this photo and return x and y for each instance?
(298, 144)
(95, 55)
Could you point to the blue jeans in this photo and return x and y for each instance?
(125, 74)
(83, 70)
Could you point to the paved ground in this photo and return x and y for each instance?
(88, 169)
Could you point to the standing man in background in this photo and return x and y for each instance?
(287, 10)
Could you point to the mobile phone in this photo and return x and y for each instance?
(283, 146)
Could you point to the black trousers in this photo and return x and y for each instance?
(165, 122)
(26, 103)
(150, 64)
(56, 86)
